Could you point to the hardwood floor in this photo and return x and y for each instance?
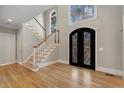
(56, 75)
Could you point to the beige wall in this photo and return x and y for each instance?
(109, 36)
(19, 37)
(7, 30)
(123, 43)
(7, 46)
(36, 26)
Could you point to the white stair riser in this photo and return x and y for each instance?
(44, 51)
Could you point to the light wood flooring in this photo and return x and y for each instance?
(56, 75)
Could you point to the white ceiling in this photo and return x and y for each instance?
(19, 14)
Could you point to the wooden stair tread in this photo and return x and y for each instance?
(44, 51)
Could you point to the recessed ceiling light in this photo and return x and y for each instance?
(9, 20)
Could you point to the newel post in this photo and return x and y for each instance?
(55, 37)
(46, 37)
(58, 36)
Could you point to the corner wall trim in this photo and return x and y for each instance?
(44, 64)
(7, 64)
(109, 70)
(62, 61)
(27, 58)
(20, 63)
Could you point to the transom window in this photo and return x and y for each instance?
(81, 12)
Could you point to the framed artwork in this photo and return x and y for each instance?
(81, 12)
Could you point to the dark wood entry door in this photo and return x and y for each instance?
(82, 48)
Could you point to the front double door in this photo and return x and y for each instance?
(82, 48)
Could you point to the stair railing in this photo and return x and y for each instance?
(39, 45)
(41, 27)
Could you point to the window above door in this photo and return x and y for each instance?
(79, 13)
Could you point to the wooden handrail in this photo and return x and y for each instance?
(43, 40)
(46, 37)
(40, 24)
(42, 28)
(55, 38)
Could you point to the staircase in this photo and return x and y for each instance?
(38, 34)
(42, 50)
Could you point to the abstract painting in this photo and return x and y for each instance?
(81, 12)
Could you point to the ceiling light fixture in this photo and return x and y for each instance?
(9, 20)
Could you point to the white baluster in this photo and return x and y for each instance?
(34, 59)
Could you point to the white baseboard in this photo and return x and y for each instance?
(62, 61)
(27, 58)
(44, 64)
(109, 70)
(20, 63)
(7, 64)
